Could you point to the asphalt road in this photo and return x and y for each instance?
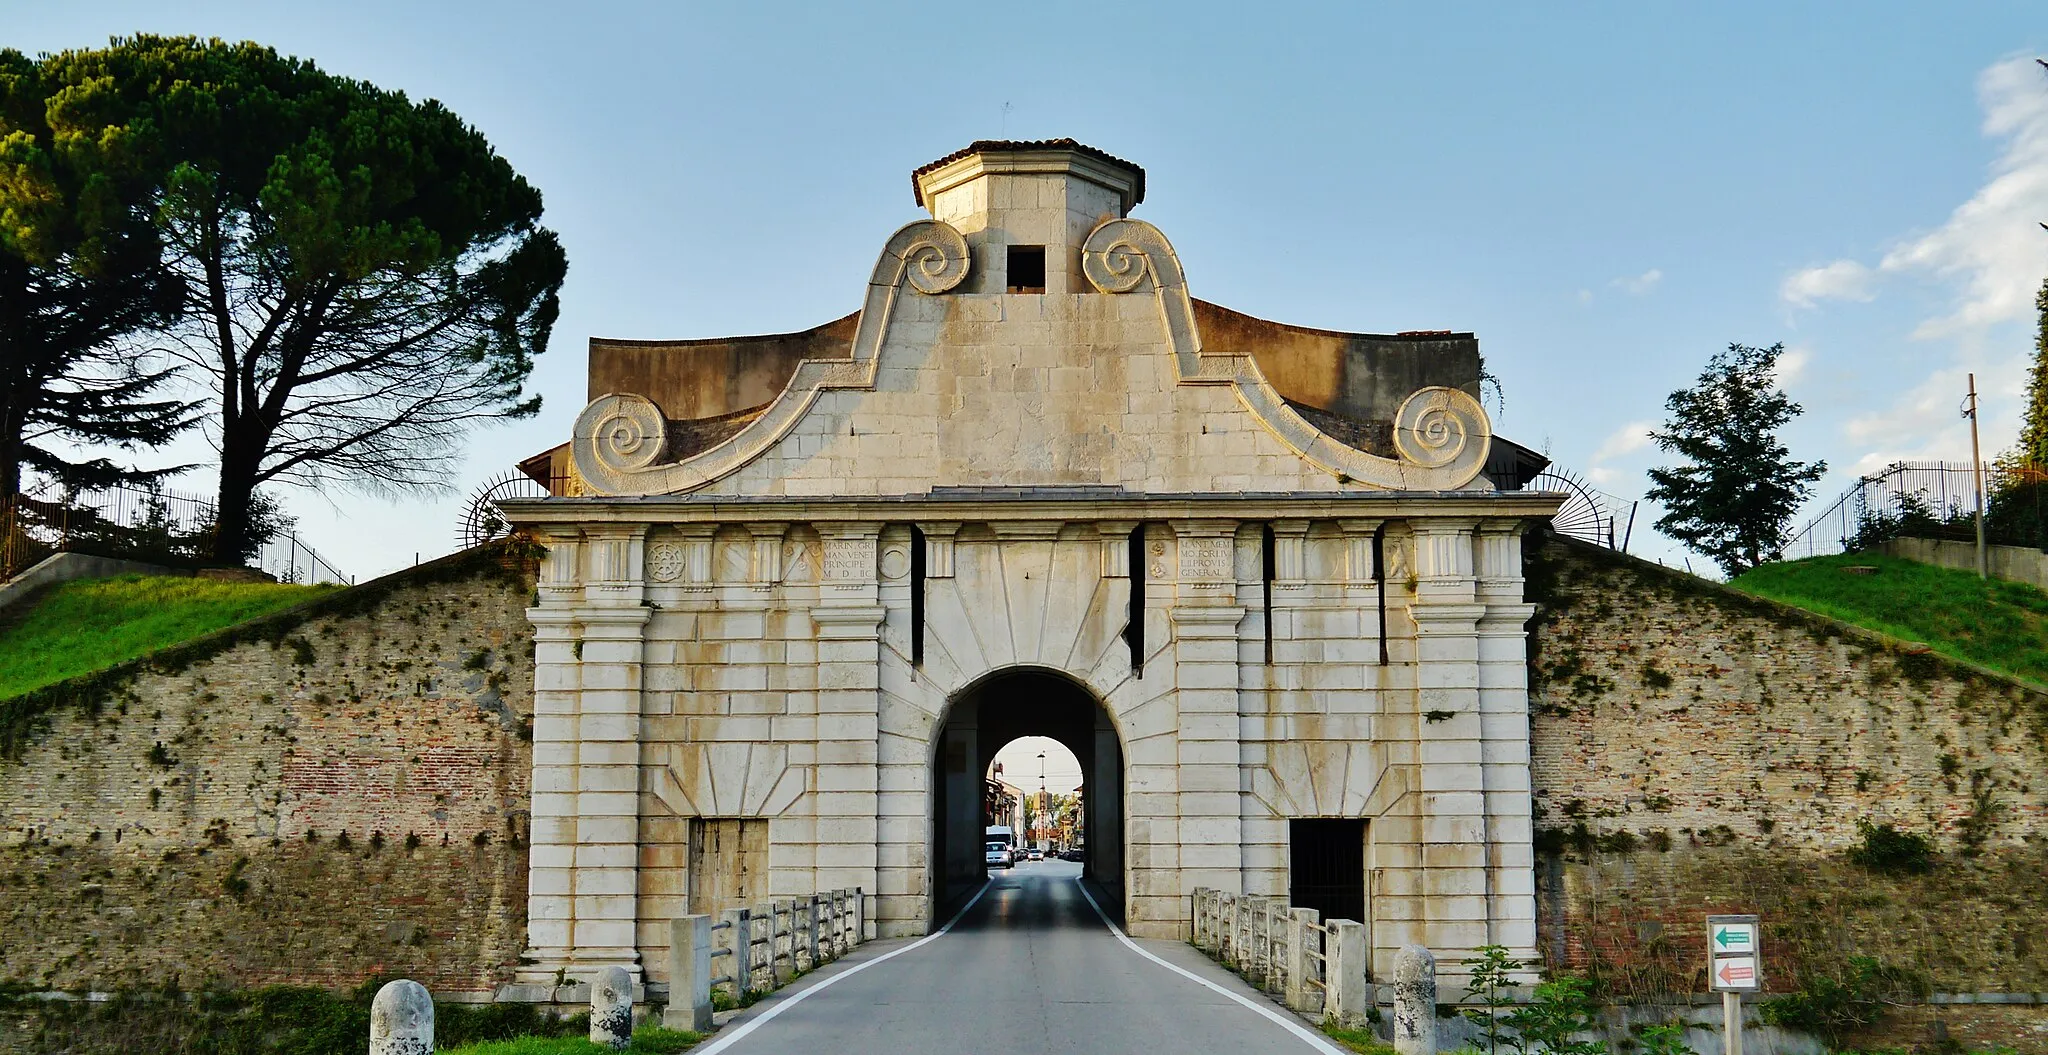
(1030, 968)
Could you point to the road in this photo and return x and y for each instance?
(1029, 968)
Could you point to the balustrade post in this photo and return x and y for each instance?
(811, 928)
(1301, 933)
(739, 935)
(689, 974)
(1345, 981)
(780, 916)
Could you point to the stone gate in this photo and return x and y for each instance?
(798, 588)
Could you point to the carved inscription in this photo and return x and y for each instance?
(1207, 559)
(849, 560)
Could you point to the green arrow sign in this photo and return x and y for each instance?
(1730, 938)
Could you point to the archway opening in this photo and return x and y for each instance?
(1008, 709)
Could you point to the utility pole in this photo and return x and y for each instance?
(1977, 467)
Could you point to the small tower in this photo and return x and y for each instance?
(1026, 208)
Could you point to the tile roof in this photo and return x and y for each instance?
(996, 146)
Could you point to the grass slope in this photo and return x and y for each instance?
(83, 626)
(1992, 623)
(647, 1040)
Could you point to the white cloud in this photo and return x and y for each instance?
(1585, 296)
(1792, 365)
(1627, 439)
(1841, 280)
(1991, 247)
(1926, 422)
(1638, 285)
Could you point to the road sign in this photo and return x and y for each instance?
(1734, 953)
(1730, 938)
(1735, 973)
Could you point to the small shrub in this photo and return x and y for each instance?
(1834, 1006)
(1561, 1009)
(1887, 849)
(1492, 974)
(1665, 1039)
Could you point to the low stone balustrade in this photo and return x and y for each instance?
(1313, 966)
(755, 950)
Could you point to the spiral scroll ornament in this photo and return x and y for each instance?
(1113, 259)
(625, 432)
(936, 258)
(1438, 427)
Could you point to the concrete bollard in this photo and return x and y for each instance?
(781, 936)
(402, 1019)
(611, 1009)
(689, 974)
(1414, 1001)
(1348, 986)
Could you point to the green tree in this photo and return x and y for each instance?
(365, 279)
(1737, 488)
(2032, 449)
(79, 274)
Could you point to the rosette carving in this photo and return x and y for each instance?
(621, 433)
(1439, 428)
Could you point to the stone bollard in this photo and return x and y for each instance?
(402, 1019)
(1414, 1001)
(611, 1009)
(689, 974)
(1303, 932)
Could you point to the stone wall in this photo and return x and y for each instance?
(1696, 750)
(323, 795)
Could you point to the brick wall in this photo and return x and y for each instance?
(324, 795)
(1696, 750)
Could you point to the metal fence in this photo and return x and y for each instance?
(1933, 500)
(151, 525)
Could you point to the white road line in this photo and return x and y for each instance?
(1284, 1021)
(726, 1040)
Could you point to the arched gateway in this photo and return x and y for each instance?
(1268, 579)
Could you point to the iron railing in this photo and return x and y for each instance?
(1927, 500)
(156, 526)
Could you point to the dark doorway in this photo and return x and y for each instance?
(1326, 867)
(990, 714)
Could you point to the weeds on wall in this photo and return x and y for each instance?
(1491, 983)
(1834, 1005)
(1887, 849)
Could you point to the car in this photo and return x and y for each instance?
(1037, 854)
(998, 856)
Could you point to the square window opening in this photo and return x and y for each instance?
(1026, 269)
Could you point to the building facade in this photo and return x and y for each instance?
(1264, 580)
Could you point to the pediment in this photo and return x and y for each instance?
(1108, 387)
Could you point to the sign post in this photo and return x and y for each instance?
(1734, 967)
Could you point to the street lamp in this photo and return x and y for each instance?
(1041, 800)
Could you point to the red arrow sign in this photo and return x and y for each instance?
(1732, 973)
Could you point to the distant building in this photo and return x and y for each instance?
(1265, 581)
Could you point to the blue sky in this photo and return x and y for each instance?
(1605, 194)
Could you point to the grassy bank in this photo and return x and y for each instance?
(285, 1020)
(78, 627)
(1996, 624)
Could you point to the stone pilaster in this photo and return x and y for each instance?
(846, 782)
(1504, 729)
(1206, 750)
(1445, 897)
